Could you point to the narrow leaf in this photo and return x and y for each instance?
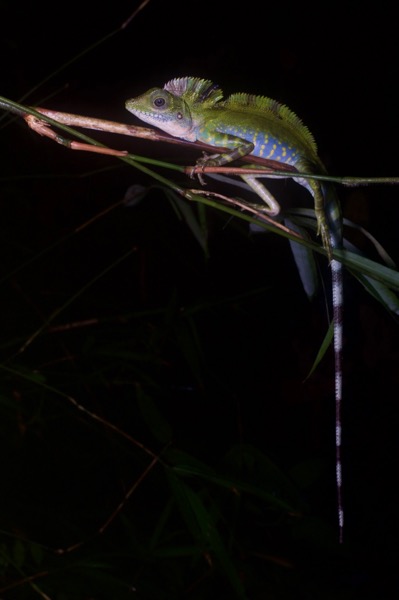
(304, 260)
(323, 349)
(202, 525)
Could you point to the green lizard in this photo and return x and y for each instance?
(194, 109)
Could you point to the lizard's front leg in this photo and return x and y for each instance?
(239, 149)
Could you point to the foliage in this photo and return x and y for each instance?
(123, 398)
(158, 437)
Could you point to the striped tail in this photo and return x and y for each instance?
(334, 221)
(337, 301)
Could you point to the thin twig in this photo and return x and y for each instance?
(117, 510)
(255, 209)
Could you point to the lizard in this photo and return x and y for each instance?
(242, 125)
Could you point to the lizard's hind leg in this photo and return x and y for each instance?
(263, 193)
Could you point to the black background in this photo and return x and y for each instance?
(336, 67)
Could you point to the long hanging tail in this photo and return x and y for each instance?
(337, 301)
(334, 219)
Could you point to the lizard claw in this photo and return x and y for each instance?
(205, 161)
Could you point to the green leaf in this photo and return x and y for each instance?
(156, 423)
(18, 553)
(36, 552)
(185, 212)
(267, 483)
(189, 343)
(352, 258)
(380, 292)
(304, 260)
(323, 349)
(203, 527)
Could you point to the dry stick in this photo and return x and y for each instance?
(29, 580)
(43, 128)
(254, 208)
(118, 508)
(86, 411)
(273, 167)
(156, 458)
(58, 310)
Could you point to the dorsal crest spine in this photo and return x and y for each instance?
(195, 90)
(262, 104)
(208, 94)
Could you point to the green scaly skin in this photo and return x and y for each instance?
(194, 109)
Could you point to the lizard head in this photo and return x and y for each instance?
(165, 110)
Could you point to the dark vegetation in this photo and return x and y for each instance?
(190, 365)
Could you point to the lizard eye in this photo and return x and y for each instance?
(159, 102)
